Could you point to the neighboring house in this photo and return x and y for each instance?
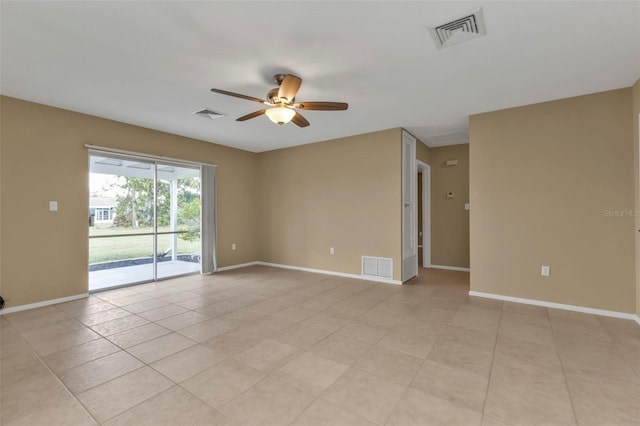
(102, 209)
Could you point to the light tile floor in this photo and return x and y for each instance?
(264, 346)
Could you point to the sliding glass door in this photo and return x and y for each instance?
(144, 220)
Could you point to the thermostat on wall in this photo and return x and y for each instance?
(450, 194)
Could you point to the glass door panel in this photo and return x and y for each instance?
(120, 260)
(121, 221)
(178, 212)
(187, 254)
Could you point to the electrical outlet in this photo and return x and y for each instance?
(233, 246)
(332, 250)
(545, 271)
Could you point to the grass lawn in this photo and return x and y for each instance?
(132, 246)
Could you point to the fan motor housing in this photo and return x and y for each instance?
(272, 97)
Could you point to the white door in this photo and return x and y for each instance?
(409, 208)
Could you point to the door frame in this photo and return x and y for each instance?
(425, 169)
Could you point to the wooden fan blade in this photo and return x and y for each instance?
(238, 95)
(252, 115)
(299, 120)
(322, 106)
(289, 87)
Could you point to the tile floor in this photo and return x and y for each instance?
(264, 346)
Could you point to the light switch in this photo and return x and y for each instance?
(53, 206)
(466, 206)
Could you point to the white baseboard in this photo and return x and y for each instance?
(239, 265)
(337, 274)
(554, 305)
(449, 268)
(43, 303)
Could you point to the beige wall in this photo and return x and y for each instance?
(449, 219)
(44, 254)
(344, 193)
(542, 178)
(423, 152)
(636, 157)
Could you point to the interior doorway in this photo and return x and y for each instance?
(424, 213)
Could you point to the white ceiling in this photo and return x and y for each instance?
(152, 63)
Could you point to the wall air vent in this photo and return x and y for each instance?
(209, 113)
(381, 267)
(459, 30)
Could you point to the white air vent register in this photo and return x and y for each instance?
(381, 267)
(209, 113)
(459, 30)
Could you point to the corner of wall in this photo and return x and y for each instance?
(636, 158)
(423, 152)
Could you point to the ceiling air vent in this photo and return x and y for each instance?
(209, 113)
(459, 30)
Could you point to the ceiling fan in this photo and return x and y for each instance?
(282, 102)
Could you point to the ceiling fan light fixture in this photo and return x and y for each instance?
(280, 115)
(281, 108)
